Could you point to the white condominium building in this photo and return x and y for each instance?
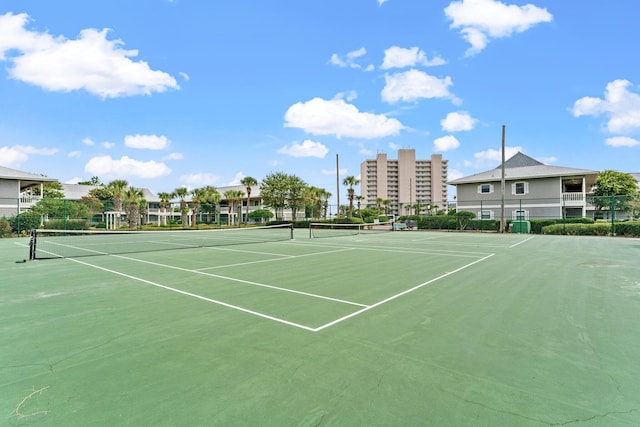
(408, 184)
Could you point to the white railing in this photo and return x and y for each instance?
(574, 198)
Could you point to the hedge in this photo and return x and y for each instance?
(538, 224)
(69, 224)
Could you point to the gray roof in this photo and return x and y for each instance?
(522, 166)
(8, 173)
(78, 191)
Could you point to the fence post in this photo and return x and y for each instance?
(613, 215)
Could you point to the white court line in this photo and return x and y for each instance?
(288, 257)
(398, 295)
(246, 282)
(519, 243)
(413, 251)
(190, 294)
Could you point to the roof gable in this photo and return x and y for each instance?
(8, 173)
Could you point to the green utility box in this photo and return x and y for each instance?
(521, 227)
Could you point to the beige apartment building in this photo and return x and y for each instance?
(410, 185)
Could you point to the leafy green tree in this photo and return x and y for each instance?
(274, 192)
(52, 190)
(463, 218)
(248, 182)
(261, 215)
(93, 181)
(295, 194)
(614, 187)
(213, 199)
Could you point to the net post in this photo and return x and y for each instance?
(291, 231)
(32, 245)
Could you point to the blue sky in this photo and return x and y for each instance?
(190, 93)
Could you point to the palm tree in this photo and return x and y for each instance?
(248, 182)
(379, 201)
(165, 198)
(214, 197)
(386, 203)
(198, 197)
(132, 197)
(324, 200)
(350, 181)
(116, 189)
(233, 196)
(182, 194)
(359, 199)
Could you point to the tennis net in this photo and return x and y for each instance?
(46, 244)
(323, 229)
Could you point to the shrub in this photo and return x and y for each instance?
(5, 228)
(69, 224)
(628, 229)
(538, 224)
(24, 222)
(597, 229)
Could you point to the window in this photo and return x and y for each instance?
(519, 188)
(485, 188)
(486, 214)
(520, 215)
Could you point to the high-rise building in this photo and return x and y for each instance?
(408, 184)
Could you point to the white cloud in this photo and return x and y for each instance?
(446, 143)
(349, 59)
(17, 154)
(620, 105)
(413, 85)
(88, 141)
(199, 179)
(335, 117)
(622, 141)
(398, 57)
(91, 62)
(492, 157)
(381, 2)
(174, 156)
(394, 146)
(480, 21)
(236, 179)
(343, 171)
(125, 167)
(108, 145)
(74, 154)
(184, 75)
(307, 149)
(73, 180)
(147, 142)
(457, 122)
(10, 157)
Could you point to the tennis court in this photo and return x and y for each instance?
(377, 328)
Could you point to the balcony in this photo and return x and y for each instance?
(574, 199)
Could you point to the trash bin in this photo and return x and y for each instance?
(523, 227)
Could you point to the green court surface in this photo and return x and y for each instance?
(406, 328)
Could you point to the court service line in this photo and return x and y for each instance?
(384, 301)
(200, 297)
(519, 243)
(246, 282)
(413, 251)
(288, 257)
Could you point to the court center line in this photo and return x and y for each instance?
(246, 282)
(200, 297)
(386, 300)
(519, 243)
(288, 257)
